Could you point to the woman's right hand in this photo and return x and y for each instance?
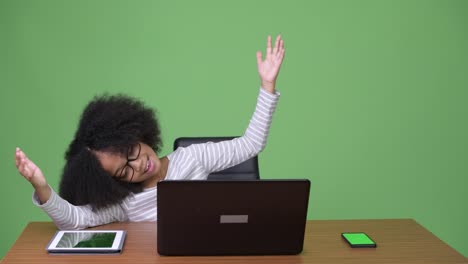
(33, 174)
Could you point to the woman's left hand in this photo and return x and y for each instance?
(268, 69)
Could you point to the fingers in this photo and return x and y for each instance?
(19, 157)
(24, 165)
(273, 55)
(268, 51)
(277, 51)
(280, 54)
(277, 44)
(259, 57)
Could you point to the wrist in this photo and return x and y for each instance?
(43, 193)
(40, 187)
(269, 86)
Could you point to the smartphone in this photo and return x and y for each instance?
(358, 240)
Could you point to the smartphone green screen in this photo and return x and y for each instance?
(358, 239)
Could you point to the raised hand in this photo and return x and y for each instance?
(33, 174)
(28, 169)
(268, 69)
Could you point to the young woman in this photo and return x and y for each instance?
(112, 167)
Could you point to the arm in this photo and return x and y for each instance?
(212, 157)
(69, 217)
(64, 214)
(222, 155)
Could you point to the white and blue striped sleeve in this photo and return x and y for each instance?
(67, 216)
(221, 155)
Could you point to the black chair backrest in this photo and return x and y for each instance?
(247, 170)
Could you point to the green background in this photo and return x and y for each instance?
(373, 108)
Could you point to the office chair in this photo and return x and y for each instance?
(247, 170)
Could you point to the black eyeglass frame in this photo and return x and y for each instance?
(127, 164)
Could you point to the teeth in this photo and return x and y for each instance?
(147, 166)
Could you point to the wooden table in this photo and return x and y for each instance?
(398, 240)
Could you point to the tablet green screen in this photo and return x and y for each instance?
(87, 240)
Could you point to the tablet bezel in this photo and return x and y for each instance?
(115, 248)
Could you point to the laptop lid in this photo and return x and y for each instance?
(265, 217)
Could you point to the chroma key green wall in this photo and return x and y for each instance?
(373, 108)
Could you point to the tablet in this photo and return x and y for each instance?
(87, 241)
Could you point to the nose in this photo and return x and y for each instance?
(138, 165)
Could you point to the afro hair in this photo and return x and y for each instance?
(110, 123)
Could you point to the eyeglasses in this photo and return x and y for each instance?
(127, 170)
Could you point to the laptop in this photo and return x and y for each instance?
(253, 217)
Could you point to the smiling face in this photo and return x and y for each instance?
(141, 164)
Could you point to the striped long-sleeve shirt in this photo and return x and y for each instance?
(191, 163)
